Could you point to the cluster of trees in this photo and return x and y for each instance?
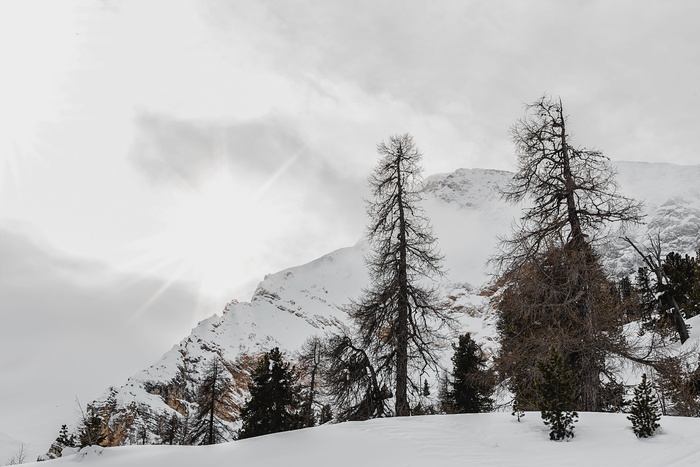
(208, 412)
(561, 318)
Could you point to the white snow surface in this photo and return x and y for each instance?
(494, 439)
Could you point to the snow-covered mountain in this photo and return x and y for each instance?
(468, 216)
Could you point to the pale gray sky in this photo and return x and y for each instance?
(188, 147)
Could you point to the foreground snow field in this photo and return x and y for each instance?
(495, 439)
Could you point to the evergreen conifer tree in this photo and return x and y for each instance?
(556, 396)
(93, 431)
(471, 384)
(326, 414)
(274, 400)
(171, 428)
(644, 413)
(65, 439)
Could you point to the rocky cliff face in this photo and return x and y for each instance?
(468, 215)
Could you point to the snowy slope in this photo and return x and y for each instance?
(468, 215)
(495, 439)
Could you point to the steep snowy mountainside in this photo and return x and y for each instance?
(467, 213)
(285, 309)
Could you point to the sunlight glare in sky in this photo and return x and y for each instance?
(215, 232)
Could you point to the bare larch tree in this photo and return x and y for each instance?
(398, 317)
(575, 199)
(214, 406)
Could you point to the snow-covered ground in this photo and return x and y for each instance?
(495, 439)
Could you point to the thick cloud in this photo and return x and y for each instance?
(623, 69)
(71, 327)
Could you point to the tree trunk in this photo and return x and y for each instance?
(570, 185)
(589, 366)
(402, 406)
(210, 426)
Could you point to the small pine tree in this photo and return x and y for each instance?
(472, 385)
(92, 432)
(326, 414)
(274, 399)
(518, 411)
(644, 414)
(556, 394)
(65, 439)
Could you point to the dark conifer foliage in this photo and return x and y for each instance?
(274, 399)
(326, 414)
(397, 317)
(63, 440)
(93, 431)
(214, 406)
(169, 428)
(556, 390)
(644, 413)
(472, 385)
(672, 293)
(682, 287)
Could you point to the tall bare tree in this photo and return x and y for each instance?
(215, 406)
(574, 192)
(309, 358)
(398, 317)
(575, 199)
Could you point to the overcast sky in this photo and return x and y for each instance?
(157, 158)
